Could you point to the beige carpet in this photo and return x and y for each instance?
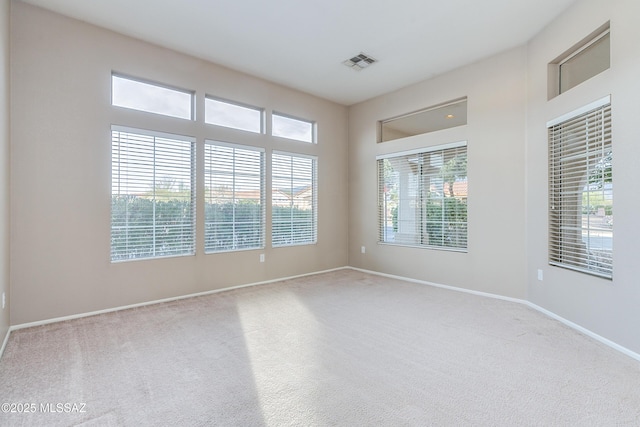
(336, 349)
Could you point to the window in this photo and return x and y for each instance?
(586, 59)
(232, 115)
(152, 98)
(292, 128)
(152, 195)
(581, 190)
(423, 197)
(234, 197)
(439, 117)
(293, 199)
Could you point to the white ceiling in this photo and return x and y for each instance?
(302, 43)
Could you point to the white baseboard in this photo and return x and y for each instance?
(4, 343)
(159, 301)
(544, 311)
(585, 331)
(438, 285)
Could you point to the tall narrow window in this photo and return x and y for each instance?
(294, 199)
(152, 195)
(151, 97)
(422, 197)
(234, 197)
(581, 190)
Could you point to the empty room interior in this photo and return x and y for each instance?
(319, 213)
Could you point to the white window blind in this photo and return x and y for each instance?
(293, 199)
(152, 195)
(423, 197)
(234, 197)
(581, 192)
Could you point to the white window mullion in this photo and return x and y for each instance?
(234, 224)
(153, 200)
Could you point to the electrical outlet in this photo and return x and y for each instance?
(363, 249)
(540, 275)
(261, 257)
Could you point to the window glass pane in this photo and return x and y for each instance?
(234, 116)
(581, 193)
(287, 127)
(294, 200)
(151, 98)
(431, 119)
(234, 197)
(423, 198)
(152, 195)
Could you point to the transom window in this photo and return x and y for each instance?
(151, 97)
(423, 197)
(438, 117)
(233, 115)
(292, 128)
(586, 59)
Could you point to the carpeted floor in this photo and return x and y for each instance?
(337, 349)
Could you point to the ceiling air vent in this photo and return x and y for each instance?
(359, 62)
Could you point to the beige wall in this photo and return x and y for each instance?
(507, 154)
(61, 118)
(4, 164)
(495, 261)
(61, 164)
(608, 308)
